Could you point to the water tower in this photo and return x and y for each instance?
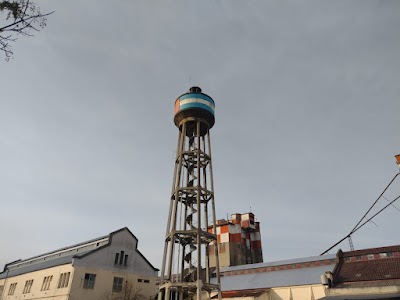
(186, 268)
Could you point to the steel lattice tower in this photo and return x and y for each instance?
(186, 270)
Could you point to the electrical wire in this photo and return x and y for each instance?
(358, 226)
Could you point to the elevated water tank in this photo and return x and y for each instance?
(195, 105)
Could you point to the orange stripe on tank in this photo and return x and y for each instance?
(177, 103)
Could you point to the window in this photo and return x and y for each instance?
(27, 287)
(89, 281)
(63, 281)
(143, 280)
(358, 257)
(121, 259)
(46, 283)
(12, 288)
(370, 256)
(117, 284)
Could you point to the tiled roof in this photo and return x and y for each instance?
(376, 269)
(372, 251)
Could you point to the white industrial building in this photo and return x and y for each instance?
(294, 279)
(108, 267)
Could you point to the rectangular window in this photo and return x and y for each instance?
(89, 281)
(12, 288)
(27, 287)
(46, 283)
(64, 280)
(143, 280)
(117, 284)
(121, 258)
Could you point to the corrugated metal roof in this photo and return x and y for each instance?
(61, 252)
(60, 257)
(38, 266)
(280, 262)
(293, 277)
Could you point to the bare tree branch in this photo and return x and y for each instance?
(22, 16)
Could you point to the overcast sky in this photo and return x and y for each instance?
(307, 100)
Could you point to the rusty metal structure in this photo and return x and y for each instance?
(186, 271)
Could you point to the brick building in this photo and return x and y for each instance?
(239, 241)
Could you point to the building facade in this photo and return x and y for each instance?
(239, 241)
(109, 267)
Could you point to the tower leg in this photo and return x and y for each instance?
(186, 266)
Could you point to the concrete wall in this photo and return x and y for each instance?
(104, 282)
(308, 292)
(104, 258)
(38, 277)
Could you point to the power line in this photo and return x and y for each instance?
(358, 226)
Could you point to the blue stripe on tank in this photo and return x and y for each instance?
(195, 95)
(196, 105)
